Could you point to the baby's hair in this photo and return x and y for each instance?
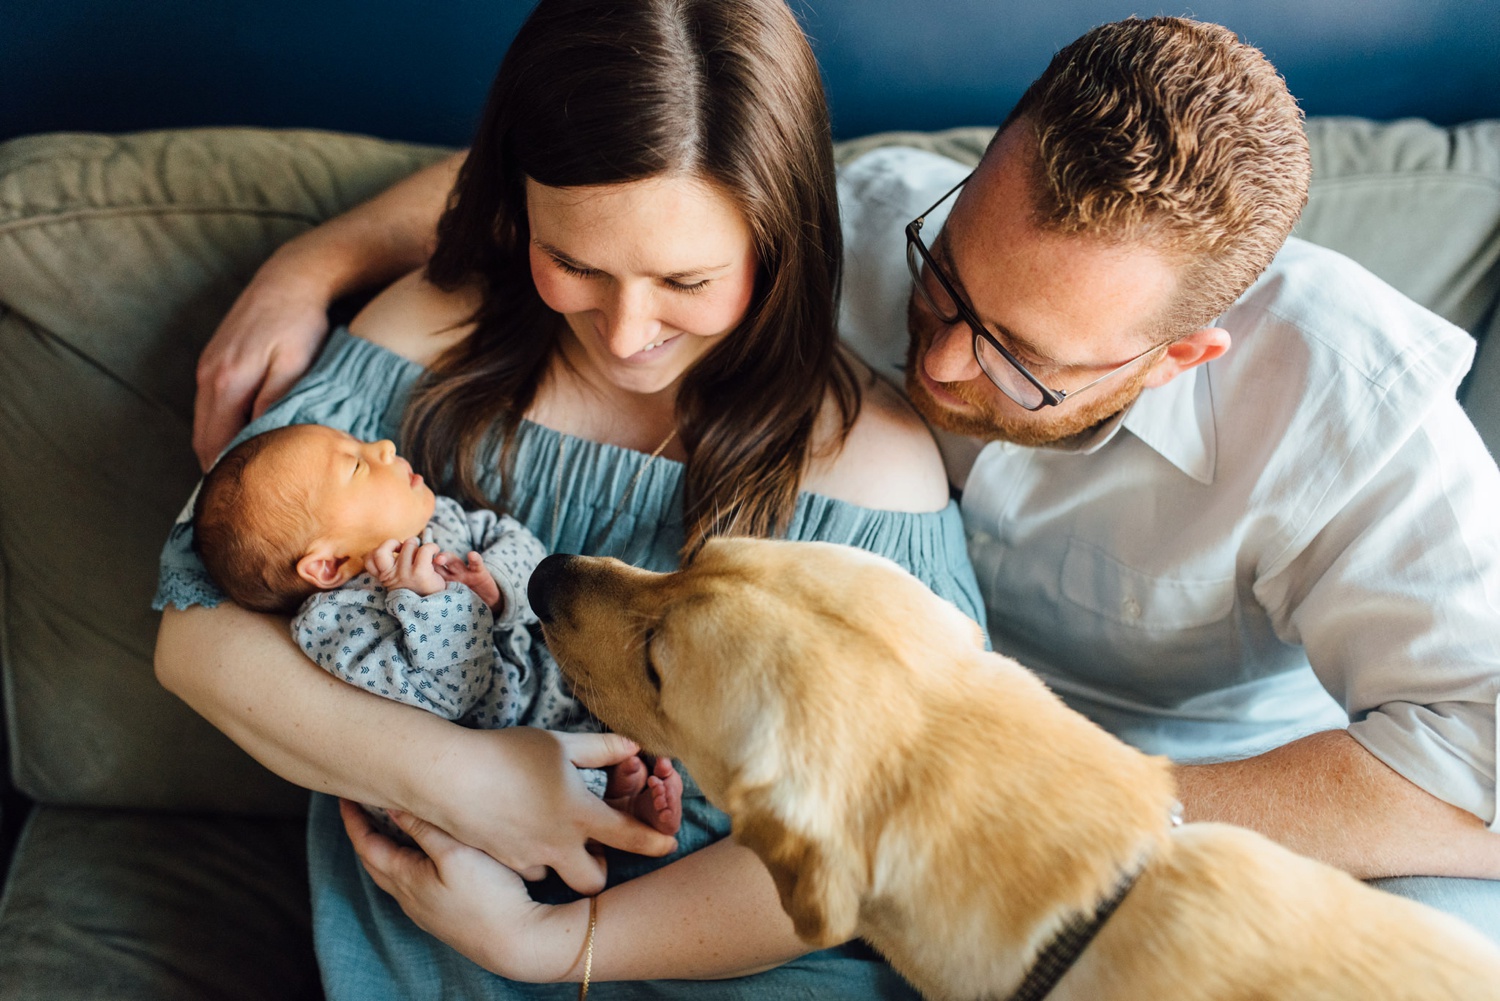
(251, 529)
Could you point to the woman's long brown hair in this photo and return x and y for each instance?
(601, 92)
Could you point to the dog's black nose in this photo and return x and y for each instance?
(544, 580)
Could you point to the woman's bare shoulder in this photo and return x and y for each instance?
(416, 319)
(889, 462)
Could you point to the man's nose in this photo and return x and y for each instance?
(950, 354)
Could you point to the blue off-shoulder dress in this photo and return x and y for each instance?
(582, 497)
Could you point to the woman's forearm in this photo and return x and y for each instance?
(242, 672)
(712, 915)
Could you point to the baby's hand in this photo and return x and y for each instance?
(473, 574)
(407, 564)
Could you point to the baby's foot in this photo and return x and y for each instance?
(660, 803)
(624, 781)
(653, 797)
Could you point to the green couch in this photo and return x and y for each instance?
(159, 862)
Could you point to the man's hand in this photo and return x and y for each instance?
(276, 326)
(265, 343)
(408, 565)
(473, 574)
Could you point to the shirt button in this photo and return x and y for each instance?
(1131, 608)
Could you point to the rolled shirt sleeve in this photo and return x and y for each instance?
(1401, 610)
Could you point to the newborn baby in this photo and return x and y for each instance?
(309, 516)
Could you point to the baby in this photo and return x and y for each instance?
(309, 518)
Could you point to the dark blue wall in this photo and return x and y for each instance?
(414, 71)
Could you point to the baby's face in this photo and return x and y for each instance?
(362, 493)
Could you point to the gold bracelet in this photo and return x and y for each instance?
(588, 949)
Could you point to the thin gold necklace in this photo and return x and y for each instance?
(624, 499)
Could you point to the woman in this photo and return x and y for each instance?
(628, 331)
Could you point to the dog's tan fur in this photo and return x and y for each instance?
(903, 785)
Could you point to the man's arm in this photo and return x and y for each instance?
(1327, 797)
(276, 326)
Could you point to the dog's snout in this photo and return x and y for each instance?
(542, 589)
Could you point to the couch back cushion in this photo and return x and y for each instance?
(118, 256)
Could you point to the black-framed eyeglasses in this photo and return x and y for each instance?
(998, 364)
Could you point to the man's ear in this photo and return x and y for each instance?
(1202, 345)
(326, 569)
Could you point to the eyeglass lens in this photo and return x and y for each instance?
(995, 365)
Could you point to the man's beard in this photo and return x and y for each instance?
(981, 418)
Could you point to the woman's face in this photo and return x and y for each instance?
(649, 274)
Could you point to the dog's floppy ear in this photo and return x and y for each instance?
(820, 884)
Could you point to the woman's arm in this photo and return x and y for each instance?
(275, 327)
(242, 671)
(711, 915)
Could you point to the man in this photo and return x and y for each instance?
(1197, 517)
(1223, 523)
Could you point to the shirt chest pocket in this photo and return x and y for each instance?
(1103, 585)
(1163, 638)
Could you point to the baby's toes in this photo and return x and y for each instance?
(626, 779)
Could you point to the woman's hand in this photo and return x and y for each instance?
(476, 905)
(516, 795)
(265, 343)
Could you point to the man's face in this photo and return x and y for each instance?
(1068, 306)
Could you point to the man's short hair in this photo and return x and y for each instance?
(250, 527)
(1175, 134)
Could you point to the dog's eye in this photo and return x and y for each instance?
(651, 672)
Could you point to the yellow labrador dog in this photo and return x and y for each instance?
(905, 786)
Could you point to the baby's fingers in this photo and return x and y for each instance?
(408, 554)
(383, 559)
(425, 554)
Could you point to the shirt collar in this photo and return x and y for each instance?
(1177, 421)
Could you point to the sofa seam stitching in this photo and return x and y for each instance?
(114, 212)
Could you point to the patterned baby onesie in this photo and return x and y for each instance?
(447, 652)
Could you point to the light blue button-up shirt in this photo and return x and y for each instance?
(1302, 534)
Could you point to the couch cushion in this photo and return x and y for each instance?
(155, 907)
(118, 255)
(1417, 204)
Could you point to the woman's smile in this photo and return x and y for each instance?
(655, 351)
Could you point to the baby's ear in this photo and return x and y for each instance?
(325, 569)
